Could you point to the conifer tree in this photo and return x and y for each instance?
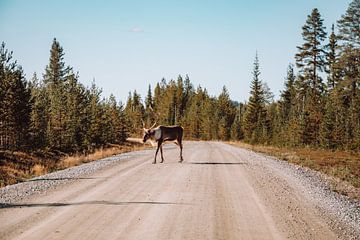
(287, 97)
(328, 125)
(135, 111)
(255, 114)
(311, 60)
(209, 117)
(159, 102)
(149, 100)
(188, 91)
(54, 79)
(170, 103)
(14, 102)
(149, 108)
(311, 56)
(236, 127)
(94, 113)
(16, 105)
(38, 116)
(349, 30)
(226, 114)
(74, 116)
(122, 124)
(332, 60)
(349, 67)
(180, 94)
(193, 121)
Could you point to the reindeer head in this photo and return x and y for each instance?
(146, 135)
(148, 132)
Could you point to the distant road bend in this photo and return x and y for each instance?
(218, 192)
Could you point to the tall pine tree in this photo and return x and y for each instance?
(54, 79)
(311, 61)
(14, 102)
(255, 115)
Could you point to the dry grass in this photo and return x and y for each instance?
(77, 159)
(38, 170)
(19, 166)
(343, 168)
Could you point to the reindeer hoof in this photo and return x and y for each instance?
(180, 161)
(162, 162)
(154, 162)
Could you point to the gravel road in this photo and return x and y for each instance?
(218, 192)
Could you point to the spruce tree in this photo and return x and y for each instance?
(180, 102)
(149, 108)
(236, 131)
(14, 102)
(54, 79)
(332, 60)
(38, 116)
(349, 67)
(188, 92)
(226, 114)
(149, 100)
(193, 122)
(94, 113)
(170, 103)
(255, 114)
(74, 116)
(121, 124)
(135, 111)
(159, 102)
(209, 117)
(287, 96)
(328, 126)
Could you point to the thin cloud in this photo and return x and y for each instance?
(136, 30)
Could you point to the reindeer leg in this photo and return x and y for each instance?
(161, 151)
(181, 147)
(157, 150)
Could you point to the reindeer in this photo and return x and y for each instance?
(162, 134)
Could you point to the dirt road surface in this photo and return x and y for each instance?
(218, 192)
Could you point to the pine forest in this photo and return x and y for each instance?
(319, 105)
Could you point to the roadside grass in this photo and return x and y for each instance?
(342, 168)
(19, 166)
(77, 159)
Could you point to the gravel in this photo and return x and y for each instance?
(343, 213)
(17, 192)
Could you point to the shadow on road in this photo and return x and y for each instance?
(61, 179)
(218, 163)
(30, 205)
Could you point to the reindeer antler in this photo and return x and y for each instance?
(153, 125)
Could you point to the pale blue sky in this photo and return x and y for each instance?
(127, 45)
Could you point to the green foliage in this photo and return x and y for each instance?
(237, 131)
(311, 60)
(332, 60)
(255, 115)
(226, 114)
(59, 113)
(38, 116)
(349, 30)
(14, 102)
(135, 111)
(56, 112)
